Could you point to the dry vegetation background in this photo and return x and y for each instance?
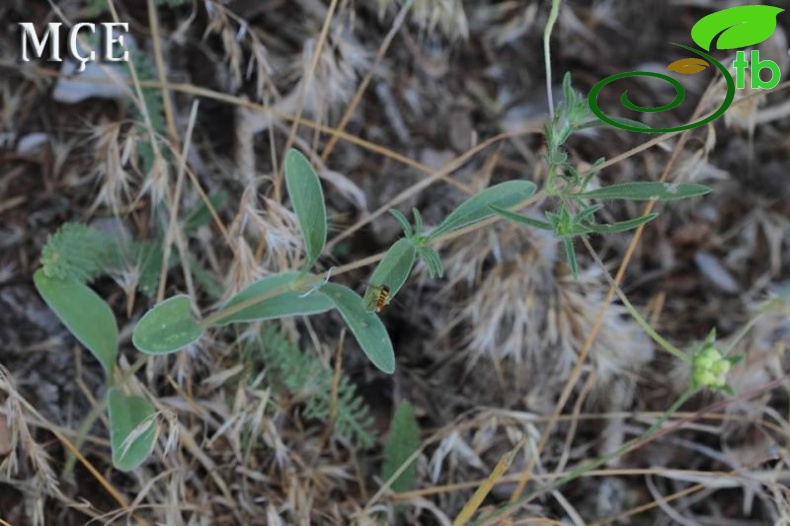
(484, 354)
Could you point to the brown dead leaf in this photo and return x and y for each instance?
(688, 66)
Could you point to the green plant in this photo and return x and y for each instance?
(575, 215)
(76, 254)
(306, 378)
(169, 327)
(172, 325)
(91, 321)
(402, 441)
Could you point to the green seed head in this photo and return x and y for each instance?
(710, 368)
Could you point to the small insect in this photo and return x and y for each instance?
(378, 298)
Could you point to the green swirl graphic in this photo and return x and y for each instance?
(680, 95)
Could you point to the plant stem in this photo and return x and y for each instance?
(305, 282)
(553, 15)
(635, 313)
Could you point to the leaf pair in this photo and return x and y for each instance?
(92, 322)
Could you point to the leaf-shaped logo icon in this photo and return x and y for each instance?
(688, 66)
(738, 26)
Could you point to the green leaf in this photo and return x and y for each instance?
(478, 207)
(739, 27)
(402, 441)
(622, 226)
(200, 215)
(569, 95)
(84, 314)
(524, 220)
(432, 261)
(148, 259)
(392, 271)
(417, 221)
(587, 213)
(207, 280)
(647, 191)
(291, 303)
(166, 328)
(366, 326)
(307, 378)
(570, 255)
(132, 429)
(307, 198)
(598, 123)
(404, 223)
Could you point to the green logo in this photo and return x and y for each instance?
(737, 27)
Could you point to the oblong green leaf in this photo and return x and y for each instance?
(622, 226)
(647, 191)
(402, 441)
(570, 255)
(132, 429)
(84, 313)
(392, 271)
(739, 27)
(598, 123)
(404, 223)
(432, 261)
(307, 198)
(291, 303)
(478, 207)
(524, 220)
(366, 326)
(167, 328)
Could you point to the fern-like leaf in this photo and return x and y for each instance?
(78, 252)
(304, 376)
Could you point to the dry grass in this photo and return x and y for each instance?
(400, 104)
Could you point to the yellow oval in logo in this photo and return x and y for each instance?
(688, 66)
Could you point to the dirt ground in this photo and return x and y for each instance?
(505, 356)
